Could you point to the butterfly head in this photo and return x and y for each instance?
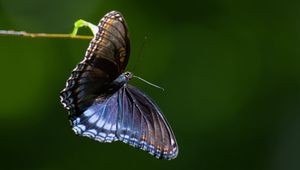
(128, 75)
(123, 78)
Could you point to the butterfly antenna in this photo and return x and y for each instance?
(140, 52)
(154, 85)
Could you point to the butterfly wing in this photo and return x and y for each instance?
(142, 124)
(105, 59)
(99, 121)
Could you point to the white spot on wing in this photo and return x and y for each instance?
(107, 125)
(172, 142)
(76, 130)
(76, 121)
(103, 135)
(90, 133)
(100, 123)
(82, 127)
(94, 118)
(93, 131)
(114, 127)
(88, 112)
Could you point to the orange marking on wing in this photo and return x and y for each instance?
(122, 59)
(159, 148)
(122, 54)
(143, 138)
(108, 24)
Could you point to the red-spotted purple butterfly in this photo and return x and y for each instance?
(101, 103)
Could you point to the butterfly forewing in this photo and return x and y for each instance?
(105, 59)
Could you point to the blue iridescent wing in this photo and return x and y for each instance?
(99, 121)
(142, 124)
(132, 117)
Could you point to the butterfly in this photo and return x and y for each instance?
(101, 103)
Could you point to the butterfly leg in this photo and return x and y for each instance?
(81, 23)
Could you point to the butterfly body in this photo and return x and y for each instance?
(101, 103)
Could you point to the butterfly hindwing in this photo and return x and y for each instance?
(130, 116)
(142, 124)
(98, 121)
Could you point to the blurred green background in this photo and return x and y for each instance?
(231, 70)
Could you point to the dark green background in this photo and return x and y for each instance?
(230, 70)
